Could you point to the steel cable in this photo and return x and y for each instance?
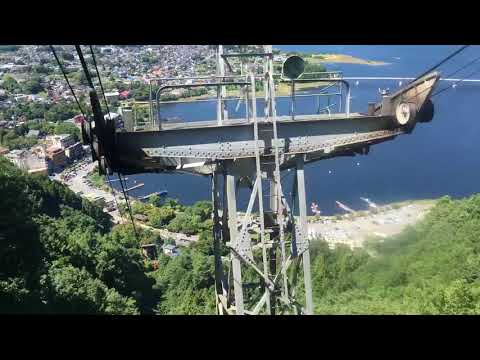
(68, 82)
(90, 82)
(441, 62)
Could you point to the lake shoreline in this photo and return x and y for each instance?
(343, 59)
(356, 229)
(284, 89)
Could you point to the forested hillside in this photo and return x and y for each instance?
(432, 268)
(59, 254)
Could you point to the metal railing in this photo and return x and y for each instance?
(340, 81)
(162, 88)
(333, 79)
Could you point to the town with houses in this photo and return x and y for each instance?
(40, 122)
(125, 64)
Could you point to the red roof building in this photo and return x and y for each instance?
(78, 119)
(124, 94)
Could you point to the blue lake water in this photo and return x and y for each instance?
(438, 158)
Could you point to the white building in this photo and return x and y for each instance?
(34, 163)
(170, 250)
(21, 98)
(62, 141)
(106, 50)
(17, 157)
(112, 97)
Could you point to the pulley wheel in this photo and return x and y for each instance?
(405, 113)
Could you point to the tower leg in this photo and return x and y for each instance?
(221, 286)
(302, 205)
(273, 238)
(261, 211)
(232, 225)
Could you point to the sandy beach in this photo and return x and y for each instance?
(354, 229)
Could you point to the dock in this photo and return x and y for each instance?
(158, 193)
(134, 187)
(344, 207)
(112, 180)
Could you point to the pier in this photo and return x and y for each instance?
(158, 193)
(112, 180)
(134, 187)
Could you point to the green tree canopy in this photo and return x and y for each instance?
(57, 254)
(33, 85)
(9, 83)
(61, 111)
(68, 128)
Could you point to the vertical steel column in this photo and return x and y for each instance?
(296, 260)
(273, 196)
(302, 207)
(274, 187)
(340, 88)
(219, 88)
(216, 247)
(220, 94)
(347, 102)
(292, 109)
(232, 225)
(245, 93)
(152, 120)
(247, 105)
(225, 232)
(277, 178)
(260, 191)
(266, 81)
(221, 286)
(273, 235)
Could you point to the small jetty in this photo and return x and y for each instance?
(158, 193)
(112, 180)
(134, 187)
(370, 203)
(344, 207)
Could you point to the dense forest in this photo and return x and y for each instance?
(60, 254)
(431, 268)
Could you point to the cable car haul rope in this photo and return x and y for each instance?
(99, 117)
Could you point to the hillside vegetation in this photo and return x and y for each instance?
(59, 254)
(431, 268)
